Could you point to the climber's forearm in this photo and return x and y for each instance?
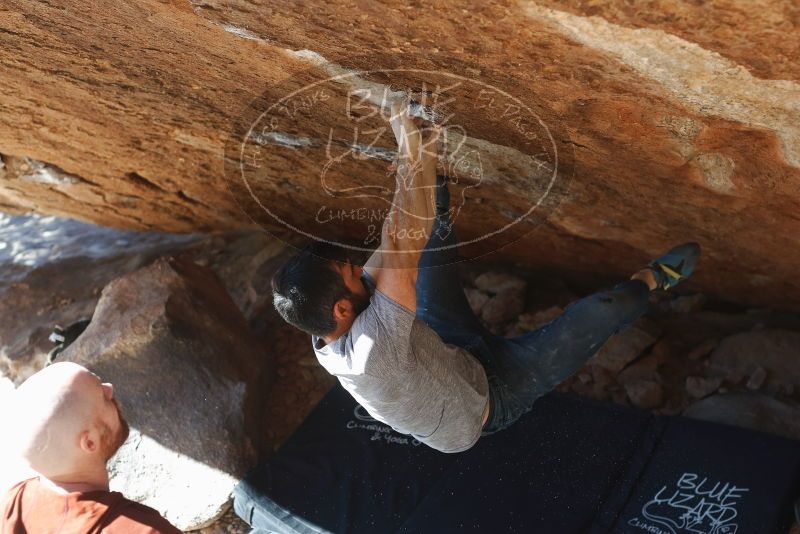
(408, 225)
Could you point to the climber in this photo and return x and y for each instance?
(400, 336)
(66, 425)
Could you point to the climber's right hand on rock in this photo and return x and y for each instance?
(406, 133)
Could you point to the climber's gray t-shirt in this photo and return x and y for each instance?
(405, 376)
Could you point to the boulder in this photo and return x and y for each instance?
(775, 351)
(190, 377)
(696, 98)
(749, 410)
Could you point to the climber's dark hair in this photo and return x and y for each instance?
(306, 287)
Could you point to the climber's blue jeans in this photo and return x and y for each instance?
(523, 368)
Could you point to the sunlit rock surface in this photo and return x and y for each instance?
(676, 121)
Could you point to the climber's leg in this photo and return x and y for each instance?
(531, 365)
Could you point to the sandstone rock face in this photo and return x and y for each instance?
(671, 121)
(189, 376)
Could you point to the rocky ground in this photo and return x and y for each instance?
(689, 355)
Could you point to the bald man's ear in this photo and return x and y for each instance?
(89, 442)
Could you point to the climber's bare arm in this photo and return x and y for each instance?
(408, 225)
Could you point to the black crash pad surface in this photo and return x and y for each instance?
(571, 465)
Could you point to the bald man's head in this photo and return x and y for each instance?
(67, 421)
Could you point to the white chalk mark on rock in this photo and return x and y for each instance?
(701, 78)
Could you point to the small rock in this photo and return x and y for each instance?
(688, 304)
(625, 346)
(775, 351)
(583, 389)
(618, 396)
(229, 523)
(663, 351)
(584, 378)
(757, 379)
(476, 299)
(601, 376)
(703, 349)
(699, 387)
(645, 368)
(497, 282)
(749, 410)
(672, 407)
(645, 394)
(503, 307)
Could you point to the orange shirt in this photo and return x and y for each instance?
(31, 508)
